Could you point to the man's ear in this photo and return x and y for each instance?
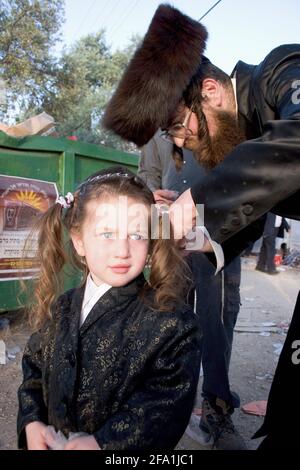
(212, 92)
(77, 243)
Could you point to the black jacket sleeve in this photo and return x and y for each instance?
(30, 394)
(236, 244)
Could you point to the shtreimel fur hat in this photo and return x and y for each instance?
(157, 76)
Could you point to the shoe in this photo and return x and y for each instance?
(259, 268)
(266, 271)
(218, 423)
(272, 271)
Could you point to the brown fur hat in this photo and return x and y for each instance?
(157, 76)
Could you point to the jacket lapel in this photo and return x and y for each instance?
(114, 301)
(100, 308)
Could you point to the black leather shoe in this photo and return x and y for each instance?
(272, 271)
(263, 270)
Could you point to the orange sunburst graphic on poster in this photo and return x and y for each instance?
(31, 198)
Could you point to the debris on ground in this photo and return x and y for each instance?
(293, 259)
(257, 408)
(283, 326)
(278, 348)
(266, 376)
(254, 327)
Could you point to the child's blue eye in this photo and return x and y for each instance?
(136, 236)
(107, 235)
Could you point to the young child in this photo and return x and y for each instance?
(117, 358)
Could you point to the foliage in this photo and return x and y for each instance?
(88, 74)
(74, 88)
(29, 31)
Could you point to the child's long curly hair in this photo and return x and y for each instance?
(169, 275)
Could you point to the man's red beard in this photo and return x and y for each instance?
(210, 151)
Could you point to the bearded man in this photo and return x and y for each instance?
(188, 125)
(169, 84)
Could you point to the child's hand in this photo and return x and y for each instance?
(35, 436)
(82, 443)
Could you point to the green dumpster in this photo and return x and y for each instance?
(29, 167)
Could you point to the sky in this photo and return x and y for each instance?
(238, 29)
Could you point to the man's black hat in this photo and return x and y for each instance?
(156, 77)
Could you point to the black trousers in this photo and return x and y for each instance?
(217, 322)
(267, 251)
(282, 421)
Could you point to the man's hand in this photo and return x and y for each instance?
(164, 196)
(35, 436)
(183, 215)
(82, 443)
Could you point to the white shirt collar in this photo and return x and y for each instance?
(92, 294)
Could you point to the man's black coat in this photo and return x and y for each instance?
(260, 175)
(263, 173)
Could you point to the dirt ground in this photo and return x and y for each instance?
(265, 299)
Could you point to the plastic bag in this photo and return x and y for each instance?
(57, 440)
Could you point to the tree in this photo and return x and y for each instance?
(29, 31)
(88, 73)
(73, 88)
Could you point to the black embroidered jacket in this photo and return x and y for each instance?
(128, 375)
